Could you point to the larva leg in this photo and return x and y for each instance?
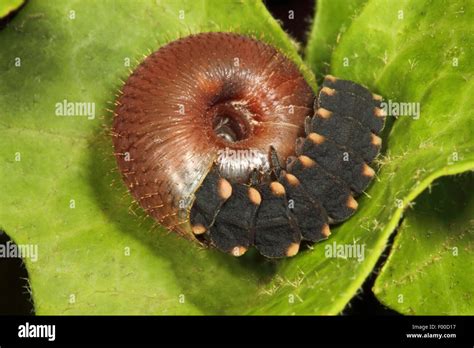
(276, 231)
(310, 215)
(231, 231)
(212, 194)
(275, 162)
(349, 99)
(332, 192)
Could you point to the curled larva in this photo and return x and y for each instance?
(217, 138)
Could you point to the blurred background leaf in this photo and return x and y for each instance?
(8, 6)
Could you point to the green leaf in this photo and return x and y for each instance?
(76, 51)
(332, 19)
(8, 6)
(430, 269)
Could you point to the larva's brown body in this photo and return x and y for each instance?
(193, 131)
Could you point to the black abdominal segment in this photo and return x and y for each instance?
(316, 187)
(276, 230)
(232, 230)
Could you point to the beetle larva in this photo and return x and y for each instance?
(219, 138)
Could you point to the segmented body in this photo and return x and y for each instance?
(242, 94)
(317, 188)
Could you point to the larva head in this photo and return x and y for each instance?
(210, 98)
